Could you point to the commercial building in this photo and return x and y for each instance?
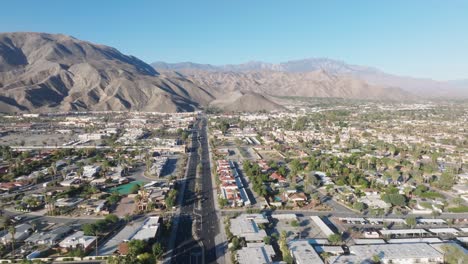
(324, 227)
(391, 253)
(304, 253)
(148, 230)
(142, 230)
(255, 253)
(246, 226)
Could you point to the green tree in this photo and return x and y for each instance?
(157, 250)
(12, 231)
(335, 239)
(295, 166)
(171, 198)
(136, 247)
(394, 199)
(376, 259)
(411, 221)
(294, 223)
(88, 229)
(145, 258)
(359, 206)
(112, 218)
(454, 254)
(223, 202)
(235, 243)
(446, 181)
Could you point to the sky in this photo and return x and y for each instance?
(419, 38)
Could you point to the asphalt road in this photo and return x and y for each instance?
(187, 248)
(209, 226)
(51, 219)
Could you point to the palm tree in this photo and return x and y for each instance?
(12, 231)
(50, 204)
(97, 233)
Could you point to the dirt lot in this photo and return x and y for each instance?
(126, 206)
(36, 139)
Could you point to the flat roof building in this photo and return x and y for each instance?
(78, 239)
(444, 231)
(304, 253)
(386, 220)
(148, 230)
(321, 224)
(429, 221)
(370, 241)
(111, 246)
(391, 253)
(404, 232)
(414, 240)
(246, 226)
(256, 253)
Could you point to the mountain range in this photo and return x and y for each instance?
(52, 72)
(45, 72)
(421, 87)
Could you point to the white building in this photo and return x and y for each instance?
(304, 253)
(78, 240)
(391, 253)
(256, 253)
(246, 226)
(22, 232)
(90, 171)
(148, 230)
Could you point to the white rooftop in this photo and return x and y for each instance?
(77, 239)
(414, 240)
(124, 235)
(148, 230)
(304, 253)
(365, 241)
(256, 254)
(246, 225)
(386, 220)
(444, 231)
(403, 231)
(397, 253)
(431, 221)
(353, 219)
(441, 249)
(324, 227)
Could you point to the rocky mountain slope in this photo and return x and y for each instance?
(47, 72)
(319, 83)
(418, 86)
(44, 72)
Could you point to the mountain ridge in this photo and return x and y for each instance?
(47, 72)
(41, 72)
(423, 87)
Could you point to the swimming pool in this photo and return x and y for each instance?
(125, 188)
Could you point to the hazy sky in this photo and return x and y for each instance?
(418, 38)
